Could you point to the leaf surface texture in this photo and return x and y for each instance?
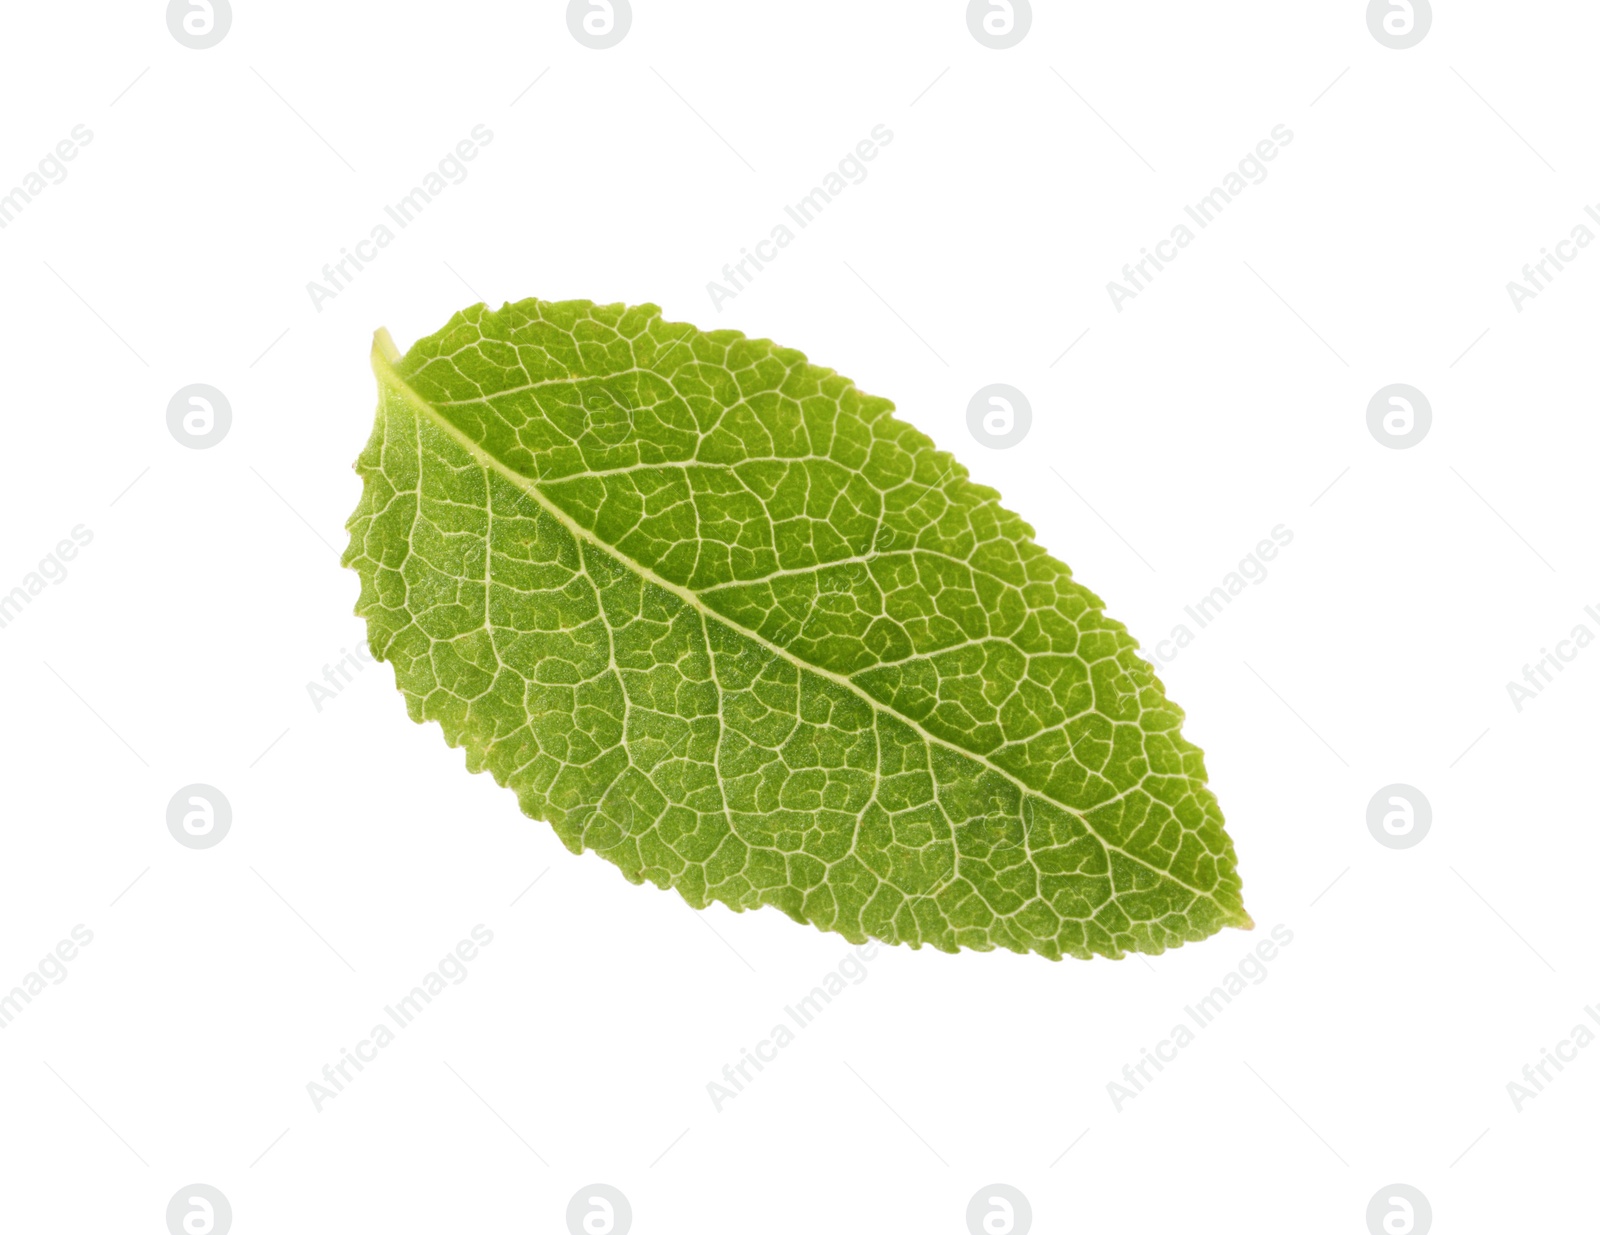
(716, 614)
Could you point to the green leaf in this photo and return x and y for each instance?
(719, 616)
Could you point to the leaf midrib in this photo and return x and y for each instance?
(384, 356)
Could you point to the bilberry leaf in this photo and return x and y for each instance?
(716, 614)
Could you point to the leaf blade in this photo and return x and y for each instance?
(838, 676)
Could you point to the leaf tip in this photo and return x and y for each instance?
(383, 348)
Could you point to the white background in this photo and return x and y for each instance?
(179, 647)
